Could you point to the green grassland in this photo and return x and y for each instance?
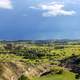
(44, 57)
(65, 76)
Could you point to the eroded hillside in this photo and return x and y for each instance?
(29, 61)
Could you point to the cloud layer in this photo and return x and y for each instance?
(54, 9)
(6, 4)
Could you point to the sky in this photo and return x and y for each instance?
(39, 19)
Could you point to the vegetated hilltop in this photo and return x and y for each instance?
(40, 60)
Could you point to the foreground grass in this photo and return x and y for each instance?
(65, 76)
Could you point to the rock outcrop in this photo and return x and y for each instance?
(13, 70)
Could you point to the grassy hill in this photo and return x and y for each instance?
(40, 61)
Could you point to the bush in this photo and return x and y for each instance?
(23, 78)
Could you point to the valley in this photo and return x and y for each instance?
(40, 60)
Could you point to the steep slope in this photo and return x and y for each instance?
(14, 70)
(11, 70)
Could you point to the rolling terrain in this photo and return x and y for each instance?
(40, 60)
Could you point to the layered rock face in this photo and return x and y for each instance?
(14, 70)
(11, 70)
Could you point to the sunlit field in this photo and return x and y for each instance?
(50, 61)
